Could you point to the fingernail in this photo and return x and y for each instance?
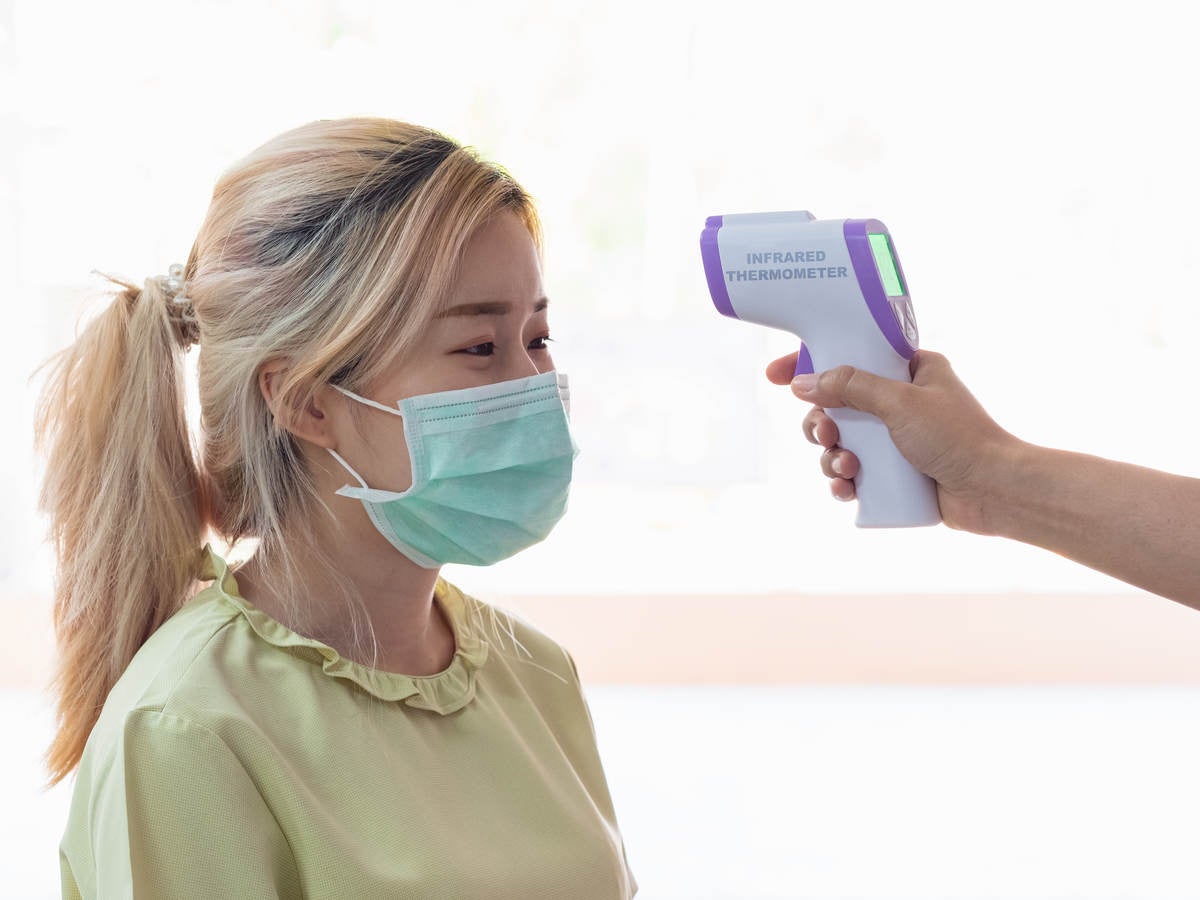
(804, 384)
(839, 467)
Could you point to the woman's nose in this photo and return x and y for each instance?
(524, 365)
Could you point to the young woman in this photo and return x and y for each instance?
(331, 719)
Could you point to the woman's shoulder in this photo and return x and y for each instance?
(175, 670)
(515, 641)
(528, 668)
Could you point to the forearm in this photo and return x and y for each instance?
(1136, 524)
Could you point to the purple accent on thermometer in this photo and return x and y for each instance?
(710, 252)
(804, 363)
(859, 246)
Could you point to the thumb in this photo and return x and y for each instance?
(853, 388)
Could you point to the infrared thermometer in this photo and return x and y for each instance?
(837, 284)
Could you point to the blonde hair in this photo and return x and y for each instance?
(332, 245)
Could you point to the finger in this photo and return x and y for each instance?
(819, 428)
(839, 463)
(809, 426)
(848, 386)
(842, 489)
(780, 371)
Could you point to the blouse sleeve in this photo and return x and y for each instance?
(192, 823)
(592, 726)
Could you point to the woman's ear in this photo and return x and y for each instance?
(310, 423)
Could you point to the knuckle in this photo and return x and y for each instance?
(938, 361)
(849, 385)
(841, 376)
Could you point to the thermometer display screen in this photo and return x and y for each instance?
(885, 262)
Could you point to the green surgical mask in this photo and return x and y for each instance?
(491, 471)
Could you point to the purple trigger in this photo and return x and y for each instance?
(804, 363)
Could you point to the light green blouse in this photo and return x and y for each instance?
(236, 758)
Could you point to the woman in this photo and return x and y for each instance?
(1130, 522)
(377, 397)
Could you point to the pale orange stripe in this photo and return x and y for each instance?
(973, 638)
(796, 639)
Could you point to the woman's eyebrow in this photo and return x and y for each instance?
(487, 308)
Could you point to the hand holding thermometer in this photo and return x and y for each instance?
(837, 284)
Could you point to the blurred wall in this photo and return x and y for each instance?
(1031, 161)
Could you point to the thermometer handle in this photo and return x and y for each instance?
(891, 493)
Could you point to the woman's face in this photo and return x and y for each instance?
(494, 329)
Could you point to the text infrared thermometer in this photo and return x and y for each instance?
(836, 284)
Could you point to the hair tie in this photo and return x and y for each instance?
(179, 305)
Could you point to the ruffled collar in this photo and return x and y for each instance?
(444, 692)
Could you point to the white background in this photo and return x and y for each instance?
(1035, 163)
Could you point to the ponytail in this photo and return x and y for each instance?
(123, 494)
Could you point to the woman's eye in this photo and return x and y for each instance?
(485, 349)
(489, 347)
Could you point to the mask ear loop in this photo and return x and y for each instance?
(386, 409)
(346, 466)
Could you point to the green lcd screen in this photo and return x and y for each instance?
(885, 262)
